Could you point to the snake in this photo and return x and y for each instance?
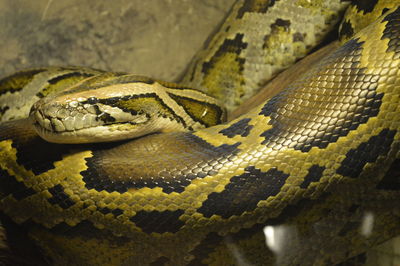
(290, 182)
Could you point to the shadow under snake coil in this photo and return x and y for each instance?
(309, 163)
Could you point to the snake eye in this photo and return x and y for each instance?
(92, 100)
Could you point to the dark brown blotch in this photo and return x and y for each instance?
(243, 192)
(255, 6)
(59, 197)
(366, 152)
(158, 221)
(240, 128)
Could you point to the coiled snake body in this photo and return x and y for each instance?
(314, 159)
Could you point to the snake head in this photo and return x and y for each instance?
(105, 108)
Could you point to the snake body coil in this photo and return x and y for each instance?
(307, 164)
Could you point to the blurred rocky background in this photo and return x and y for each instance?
(153, 37)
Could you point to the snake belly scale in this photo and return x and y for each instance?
(315, 158)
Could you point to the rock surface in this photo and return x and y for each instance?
(155, 37)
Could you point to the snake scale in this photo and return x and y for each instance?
(307, 165)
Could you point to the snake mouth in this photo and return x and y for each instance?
(60, 118)
(101, 133)
(82, 123)
(85, 129)
(70, 123)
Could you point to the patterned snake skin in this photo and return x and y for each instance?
(292, 182)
